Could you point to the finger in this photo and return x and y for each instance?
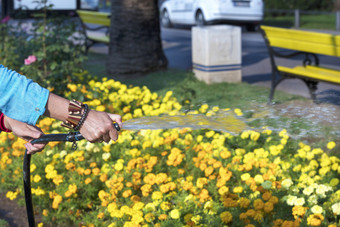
(34, 131)
(30, 148)
(106, 138)
(116, 118)
(113, 134)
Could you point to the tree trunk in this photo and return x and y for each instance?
(337, 5)
(135, 42)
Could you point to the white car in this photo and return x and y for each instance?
(201, 12)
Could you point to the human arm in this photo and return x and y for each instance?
(97, 127)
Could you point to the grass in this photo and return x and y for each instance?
(186, 87)
(3, 223)
(321, 21)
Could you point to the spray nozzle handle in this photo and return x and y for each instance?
(115, 124)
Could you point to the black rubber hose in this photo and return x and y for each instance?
(27, 168)
(70, 137)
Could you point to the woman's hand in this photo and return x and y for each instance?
(26, 132)
(98, 126)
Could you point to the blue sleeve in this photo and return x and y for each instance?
(21, 98)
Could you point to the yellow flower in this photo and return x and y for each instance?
(238, 189)
(118, 166)
(165, 206)
(175, 214)
(56, 201)
(201, 182)
(157, 195)
(245, 176)
(315, 219)
(331, 145)
(36, 178)
(238, 112)
(72, 87)
(226, 217)
(259, 179)
(45, 212)
(11, 195)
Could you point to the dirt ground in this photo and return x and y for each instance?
(14, 214)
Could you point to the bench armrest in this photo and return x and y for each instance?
(309, 58)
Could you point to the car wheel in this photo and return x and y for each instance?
(165, 19)
(251, 27)
(200, 21)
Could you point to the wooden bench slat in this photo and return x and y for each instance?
(102, 20)
(99, 18)
(306, 36)
(297, 45)
(313, 72)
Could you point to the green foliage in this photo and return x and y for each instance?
(56, 52)
(3, 223)
(316, 5)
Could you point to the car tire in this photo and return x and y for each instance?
(251, 27)
(165, 19)
(200, 21)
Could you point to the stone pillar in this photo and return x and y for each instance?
(216, 53)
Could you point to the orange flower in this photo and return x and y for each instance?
(150, 179)
(258, 204)
(88, 180)
(268, 207)
(127, 193)
(103, 177)
(266, 196)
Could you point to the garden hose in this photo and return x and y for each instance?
(70, 137)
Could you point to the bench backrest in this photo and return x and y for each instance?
(305, 41)
(92, 17)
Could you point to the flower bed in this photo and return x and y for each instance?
(175, 177)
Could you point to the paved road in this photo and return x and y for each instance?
(256, 68)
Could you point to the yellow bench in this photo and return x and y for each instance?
(309, 45)
(98, 20)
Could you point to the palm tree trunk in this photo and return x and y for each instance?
(337, 5)
(135, 43)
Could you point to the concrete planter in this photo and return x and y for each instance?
(216, 53)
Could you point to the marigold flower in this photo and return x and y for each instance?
(88, 180)
(244, 202)
(336, 208)
(163, 217)
(258, 204)
(259, 179)
(226, 217)
(175, 214)
(331, 145)
(56, 201)
(149, 217)
(315, 219)
(100, 215)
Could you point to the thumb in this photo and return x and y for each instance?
(116, 118)
(33, 131)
